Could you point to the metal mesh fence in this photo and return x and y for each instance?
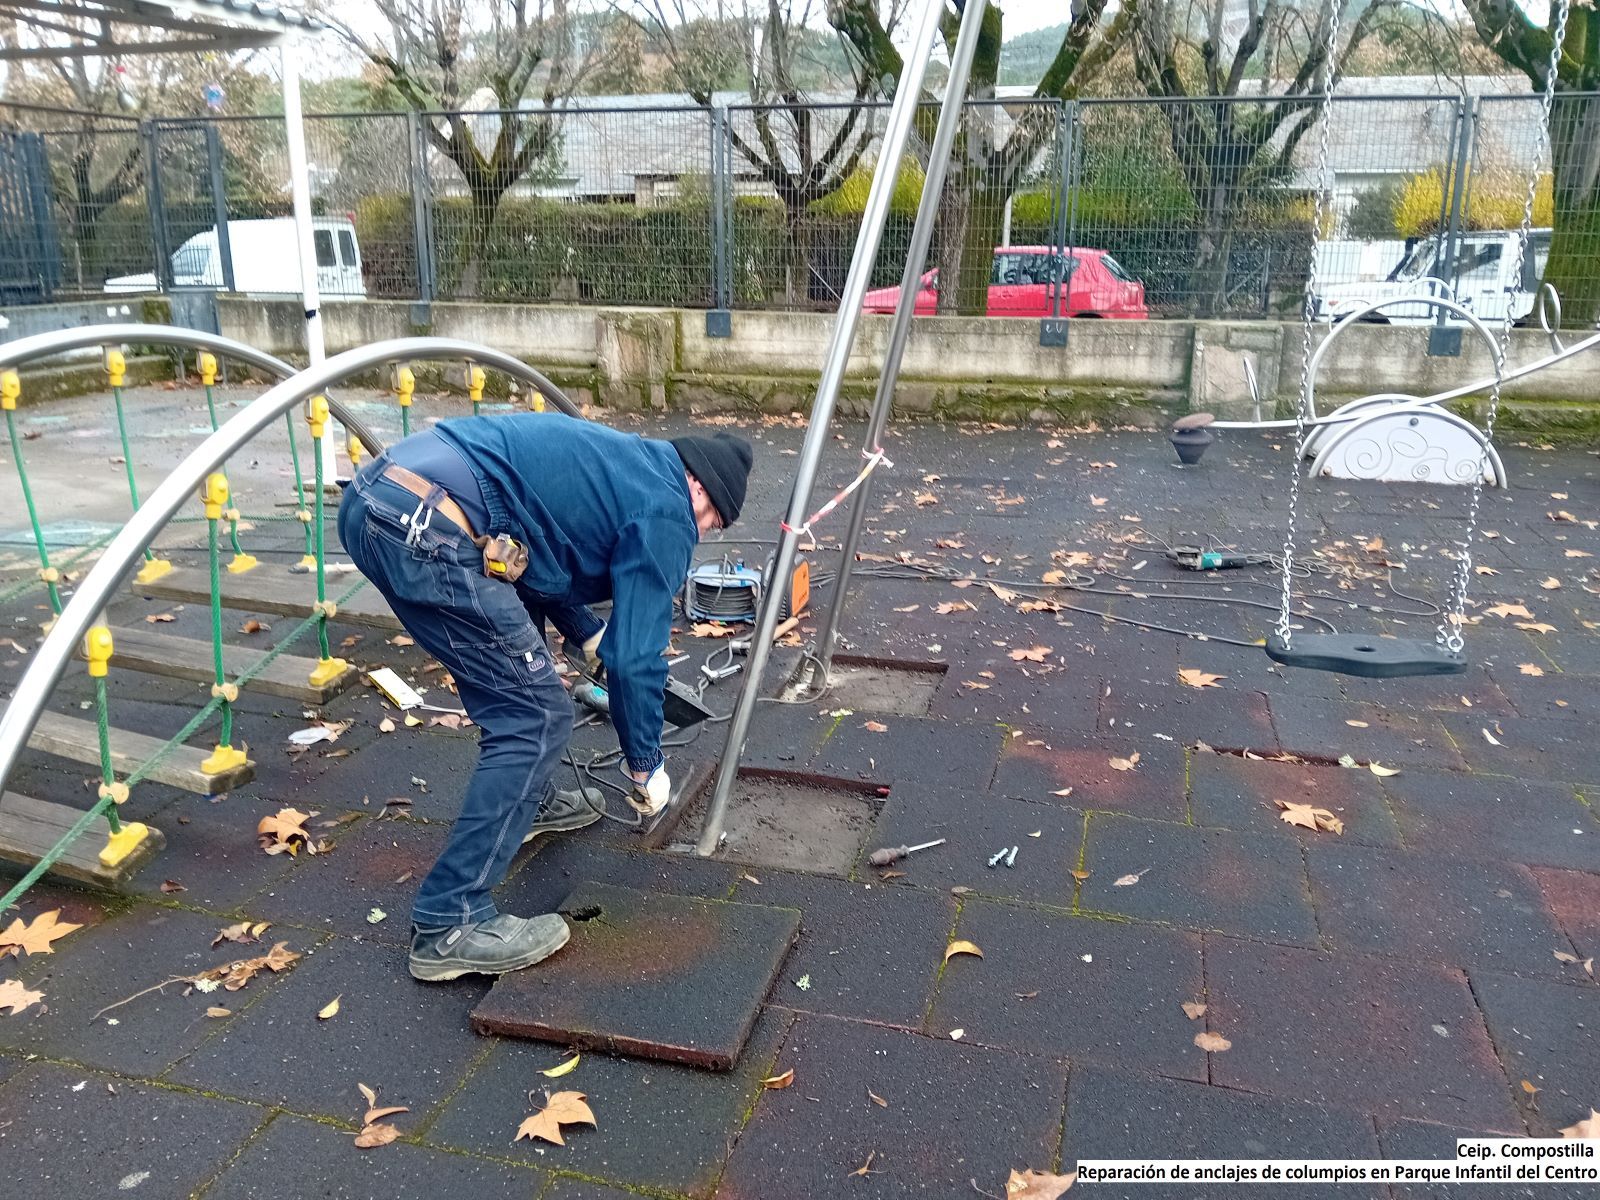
(1094, 208)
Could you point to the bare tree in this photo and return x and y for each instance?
(449, 57)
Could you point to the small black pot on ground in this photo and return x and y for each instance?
(1190, 437)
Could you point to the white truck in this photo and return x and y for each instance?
(1481, 280)
(266, 260)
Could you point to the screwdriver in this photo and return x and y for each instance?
(890, 854)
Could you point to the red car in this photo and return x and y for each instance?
(1019, 286)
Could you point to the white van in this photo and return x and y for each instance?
(1480, 282)
(266, 260)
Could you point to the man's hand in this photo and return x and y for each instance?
(651, 792)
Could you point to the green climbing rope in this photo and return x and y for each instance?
(299, 479)
(102, 720)
(233, 522)
(33, 515)
(17, 589)
(226, 737)
(320, 552)
(127, 459)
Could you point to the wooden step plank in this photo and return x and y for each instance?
(189, 658)
(29, 828)
(79, 741)
(271, 589)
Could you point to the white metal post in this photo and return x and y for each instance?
(300, 193)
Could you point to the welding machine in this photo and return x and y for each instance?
(730, 591)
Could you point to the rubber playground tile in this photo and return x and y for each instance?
(657, 1125)
(1112, 1115)
(1321, 729)
(71, 1132)
(9, 1066)
(377, 865)
(1528, 748)
(1104, 991)
(542, 878)
(406, 1038)
(1212, 879)
(1574, 898)
(655, 976)
(1554, 695)
(1236, 720)
(805, 1140)
(1568, 651)
(386, 768)
(1423, 1141)
(976, 827)
(1549, 1034)
(1480, 686)
(1433, 907)
(868, 951)
(300, 1157)
(76, 907)
(212, 852)
(583, 1189)
(97, 967)
(1231, 792)
(1038, 763)
(1495, 817)
(919, 750)
(1064, 701)
(1398, 1039)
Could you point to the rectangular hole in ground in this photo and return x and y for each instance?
(792, 822)
(874, 685)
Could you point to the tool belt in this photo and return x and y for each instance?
(503, 556)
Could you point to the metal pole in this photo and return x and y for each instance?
(838, 356)
(1468, 110)
(219, 205)
(944, 137)
(417, 152)
(156, 207)
(719, 321)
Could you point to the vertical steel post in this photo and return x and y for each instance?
(219, 204)
(950, 113)
(719, 320)
(155, 205)
(422, 237)
(1053, 329)
(1443, 341)
(868, 237)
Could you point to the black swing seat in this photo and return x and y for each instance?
(1369, 657)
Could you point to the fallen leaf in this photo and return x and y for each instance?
(14, 997)
(1212, 1043)
(957, 1034)
(412, 722)
(1579, 554)
(877, 1099)
(350, 641)
(159, 618)
(1489, 737)
(1383, 772)
(1004, 595)
(776, 1083)
(169, 886)
(710, 629)
(1080, 876)
(367, 1094)
(375, 1135)
(875, 727)
(1550, 585)
(1530, 669)
(563, 1108)
(866, 1168)
(1589, 1127)
(925, 499)
(955, 948)
(236, 974)
(1198, 679)
(1193, 1009)
(1374, 545)
(1308, 817)
(1036, 654)
(401, 639)
(243, 932)
(1130, 880)
(947, 607)
(1125, 764)
(566, 1068)
(1066, 791)
(1033, 606)
(386, 725)
(253, 626)
(910, 608)
(1098, 501)
(450, 721)
(1536, 626)
(1508, 610)
(284, 831)
(1561, 515)
(377, 1114)
(950, 544)
(36, 936)
(1530, 1089)
(1486, 570)
(216, 1010)
(1038, 1185)
(974, 685)
(1055, 578)
(331, 1008)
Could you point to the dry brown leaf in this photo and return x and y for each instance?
(974, 685)
(875, 727)
(1033, 606)
(451, 721)
(1536, 626)
(1004, 595)
(171, 886)
(1374, 545)
(1383, 772)
(563, 1108)
(401, 639)
(1098, 501)
(1080, 876)
(1193, 1009)
(1579, 554)
(1130, 880)
(1530, 669)
(14, 997)
(386, 725)
(1563, 956)
(331, 1008)
(1589, 1127)
(243, 932)
(1508, 610)
(955, 948)
(1055, 578)
(866, 1168)
(910, 608)
(284, 831)
(925, 499)
(1197, 678)
(378, 1114)
(1038, 1185)
(36, 936)
(1561, 515)
(1036, 654)
(777, 1083)
(1486, 570)
(711, 629)
(1551, 584)
(159, 618)
(950, 544)
(375, 1135)
(1212, 1043)
(564, 1068)
(945, 608)
(1125, 764)
(1072, 558)
(1308, 817)
(877, 1099)
(367, 1094)
(236, 974)
(253, 626)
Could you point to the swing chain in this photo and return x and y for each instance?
(1451, 625)
(1303, 401)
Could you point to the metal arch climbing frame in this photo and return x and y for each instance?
(49, 662)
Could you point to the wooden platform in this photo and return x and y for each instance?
(272, 589)
(29, 828)
(143, 649)
(79, 741)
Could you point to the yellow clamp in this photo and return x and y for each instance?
(10, 390)
(49, 575)
(326, 609)
(475, 381)
(222, 759)
(123, 843)
(116, 366)
(317, 414)
(208, 368)
(115, 792)
(231, 514)
(97, 649)
(304, 514)
(327, 671)
(225, 691)
(405, 385)
(536, 401)
(214, 493)
(356, 450)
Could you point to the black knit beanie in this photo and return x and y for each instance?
(722, 465)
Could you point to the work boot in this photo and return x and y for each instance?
(563, 811)
(493, 947)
